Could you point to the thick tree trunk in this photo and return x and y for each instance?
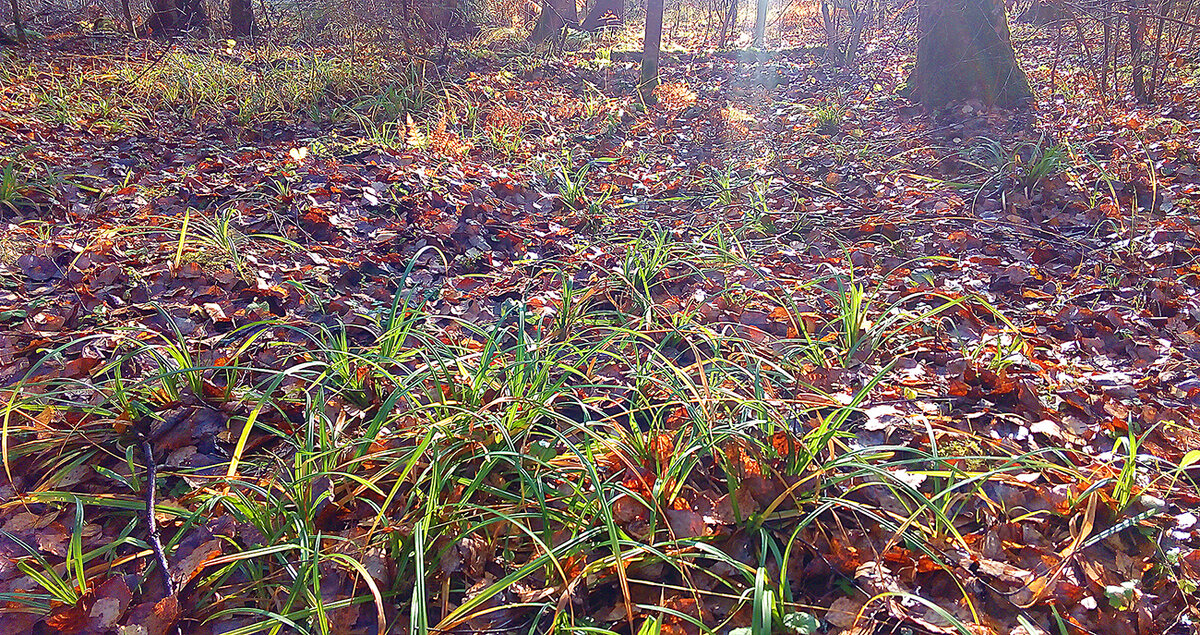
(760, 24)
(965, 52)
(650, 47)
(16, 17)
(241, 18)
(604, 14)
(555, 16)
(170, 17)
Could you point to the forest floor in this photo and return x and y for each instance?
(495, 347)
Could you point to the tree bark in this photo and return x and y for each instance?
(128, 15)
(650, 48)
(858, 22)
(16, 17)
(965, 52)
(760, 23)
(728, 23)
(832, 46)
(604, 14)
(555, 16)
(241, 18)
(170, 17)
(1136, 49)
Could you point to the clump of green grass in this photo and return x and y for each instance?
(27, 183)
(723, 184)
(575, 188)
(827, 118)
(279, 82)
(270, 83)
(89, 99)
(409, 91)
(1042, 162)
(217, 240)
(1026, 164)
(15, 185)
(430, 478)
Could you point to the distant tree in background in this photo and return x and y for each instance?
(760, 23)
(650, 48)
(16, 18)
(965, 52)
(728, 23)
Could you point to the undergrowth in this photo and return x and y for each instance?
(475, 476)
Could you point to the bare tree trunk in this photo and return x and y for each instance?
(170, 17)
(708, 20)
(832, 46)
(727, 23)
(1108, 50)
(16, 16)
(1086, 51)
(1164, 8)
(1057, 55)
(858, 22)
(603, 14)
(262, 4)
(675, 22)
(965, 52)
(1183, 26)
(650, 48)
(241, 18)
(760, 24)
(1136, 46)
(128, 18)
(555, 16)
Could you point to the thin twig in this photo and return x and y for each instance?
(151, 65)
(152, 535)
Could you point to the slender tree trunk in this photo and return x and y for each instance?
(128, 18)
(241, 18)
(16, 16)
(1086, 51)
(1136, 46)
(1108, 49)
(1163, 9)
(675, 23)
(858, 22)
(650, 47)
(833, 49)
(708, 21)
(555, 16)
(262, 5)
(760, 24)
(1183, 24)
(727, 23)
(965, 52)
